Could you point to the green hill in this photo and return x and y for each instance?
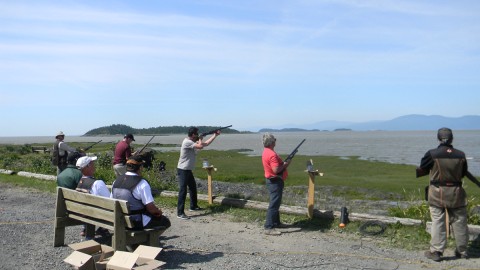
(124, 129)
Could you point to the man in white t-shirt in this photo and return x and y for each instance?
(186, 163)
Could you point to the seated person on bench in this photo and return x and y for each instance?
(88, 184)
(137, 191)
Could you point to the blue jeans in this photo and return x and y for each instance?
(186, 179)
(275, 189)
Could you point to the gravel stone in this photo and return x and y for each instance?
(205, 241)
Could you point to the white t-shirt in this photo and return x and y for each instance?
(188, 154)
(100, 189)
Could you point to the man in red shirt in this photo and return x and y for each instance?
(122, 153)
(275, 173)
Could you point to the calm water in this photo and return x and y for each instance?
(403, 147)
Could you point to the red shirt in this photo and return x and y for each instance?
(270, 159)
(122, 153)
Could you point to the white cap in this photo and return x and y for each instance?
(84, 161)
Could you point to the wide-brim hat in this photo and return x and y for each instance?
(59, 134)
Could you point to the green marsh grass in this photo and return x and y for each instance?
(354, 177)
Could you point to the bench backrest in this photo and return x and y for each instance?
(106, 211)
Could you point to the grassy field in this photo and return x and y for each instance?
(358, 179)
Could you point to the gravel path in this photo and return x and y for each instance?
(204, 242)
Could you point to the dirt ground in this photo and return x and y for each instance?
(205, 241)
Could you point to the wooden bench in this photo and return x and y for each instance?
(40, 149)
(76, 208)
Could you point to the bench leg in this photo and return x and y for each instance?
(58, 233)
(153, 240)
(119, 239)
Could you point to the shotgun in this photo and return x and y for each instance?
(88, 148)
(292, 154)
(138, 152)
(213, 131)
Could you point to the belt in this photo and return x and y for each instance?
(438, 183)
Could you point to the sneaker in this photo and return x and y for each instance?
(82, 233)
(195, 209)
(183, 216)
(460, 255)
(272, 232)
(436, 255)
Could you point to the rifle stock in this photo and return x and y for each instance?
(213, 131)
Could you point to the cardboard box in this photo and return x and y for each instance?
(143, 258)
(90, 255)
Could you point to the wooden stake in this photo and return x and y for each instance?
(311, 191)
(209, 172)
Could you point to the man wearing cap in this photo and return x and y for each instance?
(186, 163)
(447, 199)
(122, 153)
(69, 177)
(137, 191)
(88, 184)
(60, 152)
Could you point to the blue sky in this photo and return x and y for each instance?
(78, 65)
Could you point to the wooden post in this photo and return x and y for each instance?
(209, 172)
(311, 191)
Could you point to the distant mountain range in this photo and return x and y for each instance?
(407, 122)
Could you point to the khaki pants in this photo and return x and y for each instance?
(458, 220)
(119, 169)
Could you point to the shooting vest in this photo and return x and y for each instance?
(123, 189)
(57, 159)
(85, 184)
(449, 166)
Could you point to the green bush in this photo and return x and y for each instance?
(9, 160)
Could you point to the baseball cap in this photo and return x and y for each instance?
(445, 135)
(129, 136)
(84, 161)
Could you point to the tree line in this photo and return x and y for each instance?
(124, 129)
